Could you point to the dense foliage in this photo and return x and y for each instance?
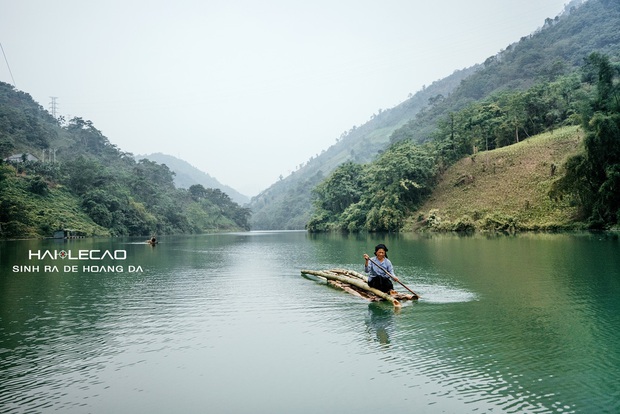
(376, 196)
(82, 182)
(508, 117)
(534, 85)
(592, 178)
(379, 196)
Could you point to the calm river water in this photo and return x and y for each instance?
(225, 323)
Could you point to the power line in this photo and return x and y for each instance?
(7, 65)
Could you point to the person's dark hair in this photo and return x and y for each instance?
(381, 246)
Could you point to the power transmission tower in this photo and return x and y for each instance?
(53, 106)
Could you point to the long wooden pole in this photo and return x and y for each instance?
(392, 276)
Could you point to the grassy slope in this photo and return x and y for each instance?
(503, 189)
(59, 209)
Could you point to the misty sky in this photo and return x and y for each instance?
(245, 90)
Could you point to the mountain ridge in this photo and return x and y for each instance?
(285, 204)
(558, 47)
(187, 175)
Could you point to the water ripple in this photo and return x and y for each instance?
(209, 316)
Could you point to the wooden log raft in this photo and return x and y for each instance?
(355, 283)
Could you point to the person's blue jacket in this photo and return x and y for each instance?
(375, 271)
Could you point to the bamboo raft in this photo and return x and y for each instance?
(355, 283)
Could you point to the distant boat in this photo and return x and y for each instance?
(152, 241)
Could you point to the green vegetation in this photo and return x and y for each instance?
(376, 196)
(537, 84)
(84, 183)
(592, 177)
(510, 186)
(529, 140)
(287, 204)
(503, 190)
(533, 87)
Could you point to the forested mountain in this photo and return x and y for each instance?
(186, 175)
(287, 203)
(551, 58)
(537, 85)
(68, 176)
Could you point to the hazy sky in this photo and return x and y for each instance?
(245, 90)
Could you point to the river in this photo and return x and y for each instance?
(226, 323)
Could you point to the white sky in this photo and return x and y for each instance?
(246, 90)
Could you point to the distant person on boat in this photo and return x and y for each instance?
(152, 240)
(378, 268)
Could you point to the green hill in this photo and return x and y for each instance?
(526, 71)
(287, 204)
(27, 214)
(506, 189)
(72, 178)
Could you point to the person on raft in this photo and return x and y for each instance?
(377, 277)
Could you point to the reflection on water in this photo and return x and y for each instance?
(380, 321)
(226, 323)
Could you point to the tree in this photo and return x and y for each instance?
(38, 186)
(343, 188)
(607, 94)
(198, 192)
(335, 196)
(593, 177)
(400, 180)
(82, 174)
(377, 196)
(6, 146)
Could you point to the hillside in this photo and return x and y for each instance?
(41, 214)
(557, 49)
(66, 175)
(186, 175)
(506, 189)
(287, 203)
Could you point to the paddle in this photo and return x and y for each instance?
(392, 276)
